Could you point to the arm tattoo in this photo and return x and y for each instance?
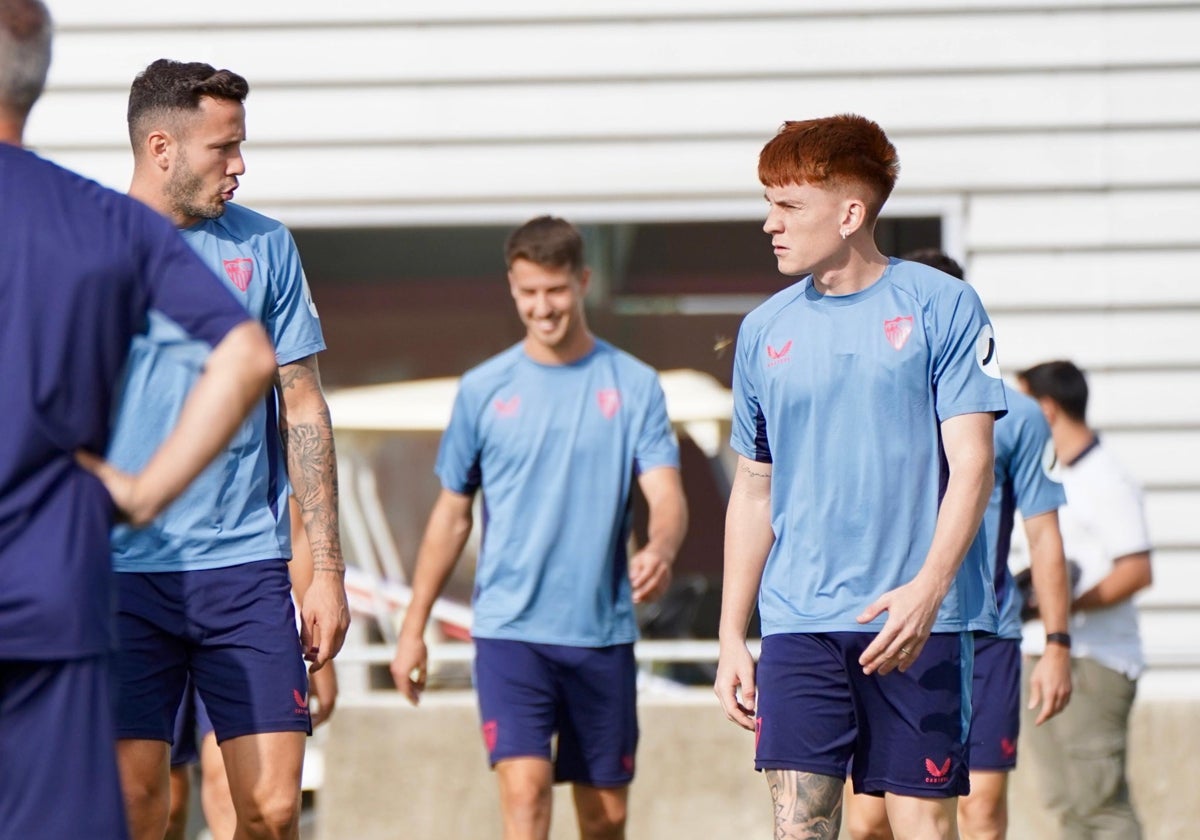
(312, 464)
(748, 471)
(808, 806)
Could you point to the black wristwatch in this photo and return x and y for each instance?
(1063, 639)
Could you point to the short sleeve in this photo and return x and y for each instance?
(749, 436)
(966, 371)
(656, 444)
(458, 465)
(292, 321)
(1036, 489)
(178, 283)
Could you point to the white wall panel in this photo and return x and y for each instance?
(1099, 339)
(1172, 519)
(1168, 398)
(1071, 220)
(88, 13)
(1066, 279)
(1176, 579)
(924, 105)
(1163, 458)
(845, 46)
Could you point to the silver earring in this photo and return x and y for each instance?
(844, 234)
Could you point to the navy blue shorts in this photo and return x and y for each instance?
(192, 726)
(529, 693)
(905, 732)
(58, 761)
(231, 630)
(995, 703)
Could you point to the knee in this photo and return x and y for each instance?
(863, 828)
(981, 818)
(602, 823)
(270, 815)
(526, 798)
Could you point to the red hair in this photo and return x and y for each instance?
(832, 151)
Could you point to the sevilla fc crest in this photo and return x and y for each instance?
(610, 402)
(898, 330)
(240, 272)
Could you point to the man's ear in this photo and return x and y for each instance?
(159, 147)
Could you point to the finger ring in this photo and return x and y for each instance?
(905, 651)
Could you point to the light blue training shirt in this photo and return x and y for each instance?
(845, 395)
(236, 511)
(555, 449)
(1025, 481)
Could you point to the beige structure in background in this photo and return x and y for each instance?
(421, 774)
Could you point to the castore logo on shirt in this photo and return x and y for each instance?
(778, 357)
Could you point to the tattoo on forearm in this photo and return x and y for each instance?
(312, 468)
(808, 806)
(753, 474)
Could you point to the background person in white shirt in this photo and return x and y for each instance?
(1079, 756)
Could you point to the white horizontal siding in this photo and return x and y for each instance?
(88, 13)
(1176, 579)
(1083, 279)
(1107, 338)
(845, 46)
(1159, 458)
(749, 109)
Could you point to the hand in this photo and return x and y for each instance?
(735, 675)
(649, 575)
(1050, 683)
(410, 667)
(322, 694)
(912, 609)
(324, 619)
(121, 486)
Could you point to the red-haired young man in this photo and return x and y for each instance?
(865, 396)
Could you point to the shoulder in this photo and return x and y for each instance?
(486, 373)
(772, 308)
(929, 287)
(629, 367)
(32, 175)
(242, 224)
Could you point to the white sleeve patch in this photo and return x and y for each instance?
(1050, 463)
(985, 352)
(308, 298)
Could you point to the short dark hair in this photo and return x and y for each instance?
(175, 86)
(832, 151)
(936, 259)
(1062, 382)
(547, 241)
(25, 35)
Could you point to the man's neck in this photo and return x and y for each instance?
(153, 198)
(12, 130)
(1071, 439)
(860, 268)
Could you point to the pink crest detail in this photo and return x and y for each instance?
(1008, 747)
(627, 763)
(757, 732)
(240, 272)
(610, 402)
(301, 700)
(490, 731)
(507, 408)
(898, 330)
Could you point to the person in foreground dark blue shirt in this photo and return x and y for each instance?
(80, 268)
